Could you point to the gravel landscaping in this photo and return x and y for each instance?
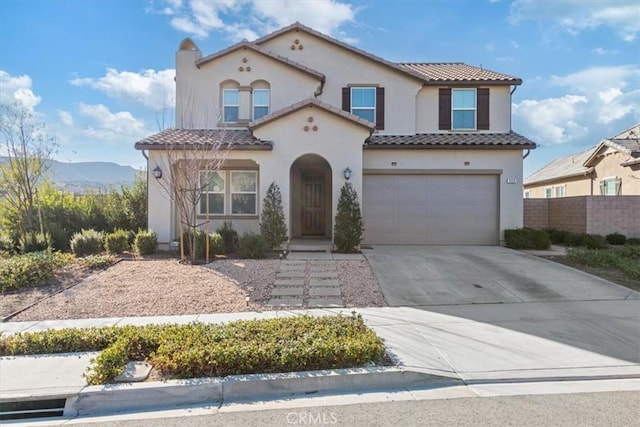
(158, 287)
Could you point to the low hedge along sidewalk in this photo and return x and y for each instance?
(212, 350)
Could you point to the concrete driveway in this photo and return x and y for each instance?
(438, 275)
(524, 301)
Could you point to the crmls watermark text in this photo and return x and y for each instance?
(312, 418)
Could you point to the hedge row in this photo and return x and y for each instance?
(213, 350)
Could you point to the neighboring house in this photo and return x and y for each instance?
(429, 146)
(610, 168)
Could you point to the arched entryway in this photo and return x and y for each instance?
(311, 207)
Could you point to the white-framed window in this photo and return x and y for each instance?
(463, 109)
(213, 193)
(527, 194)
(548, 192)
(560, 191)
(610, 186)
(363, 103)
(244, 192)
(260, 103)
(230, 105)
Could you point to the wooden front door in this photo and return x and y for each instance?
(312, 205)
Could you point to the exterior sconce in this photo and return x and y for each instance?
(347, 173)
(157, 172)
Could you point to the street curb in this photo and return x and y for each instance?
(131, 397)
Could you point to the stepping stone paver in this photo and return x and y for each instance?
(324, 292)
(323, 275)
(287, 292)
(289, 282)
(324, 282)
(285, 302)
(329, 302)
(290, 275)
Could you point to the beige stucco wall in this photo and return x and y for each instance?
(198, 93)
(576, 186)
(499, 110)
(343, 68)
(338, 141)
(609, 167)
(506, 163)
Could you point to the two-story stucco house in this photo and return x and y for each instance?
(611, 168)
(429, 146)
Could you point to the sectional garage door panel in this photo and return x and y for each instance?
(431, 209)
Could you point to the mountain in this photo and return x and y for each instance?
(82, 177)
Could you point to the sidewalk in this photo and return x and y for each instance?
(431, 349)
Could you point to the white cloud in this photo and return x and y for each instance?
(595, 97)
(111, 127)
(17, 89)
(603, 51)
(623, 16)
(153, 89)
(65, 117)
(552, 120)
(199, 18)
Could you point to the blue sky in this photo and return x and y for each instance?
(99, 73)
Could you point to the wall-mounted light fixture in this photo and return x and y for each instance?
(347, 173)
(157, 172)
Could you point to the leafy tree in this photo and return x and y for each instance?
(348, 224)
(25, 149)
(272, 226)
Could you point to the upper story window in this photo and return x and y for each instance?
(560, 191)
(260, 103)
(363, 103)
(366, 102)
(548, 192)
(463, 108)
(230, 105)
(610, 186)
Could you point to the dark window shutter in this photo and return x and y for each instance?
(380, 108)
(444, 109)
(483, 109)
(346, 99)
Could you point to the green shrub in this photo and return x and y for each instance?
(60, 237)
(117, 242)
(526, 238)
(252, 246)
(34, 242)
(591, 241)
(633, 241)
(616, 239)
(229, 237)
(629, 251)
(348, 224)
(631, 269)
(216, 244)
(96, 262)
(272, 225)
(31, 269)
(201, 350)
(557, 237)
(87, 242)
(146, 242)
(7, 245)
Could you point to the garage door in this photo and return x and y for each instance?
(431, 209)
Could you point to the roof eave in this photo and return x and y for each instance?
(167, 147)
(449, 146)
(555, 178)
(516, 82)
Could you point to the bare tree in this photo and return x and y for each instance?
(26, 150)
(188, 170)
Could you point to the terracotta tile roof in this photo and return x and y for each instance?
(435, 73)
(258, 49)
(299, 27)
(236, 139)
(311, 102)
(458, 72)
(451, 140)
(564, 167)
